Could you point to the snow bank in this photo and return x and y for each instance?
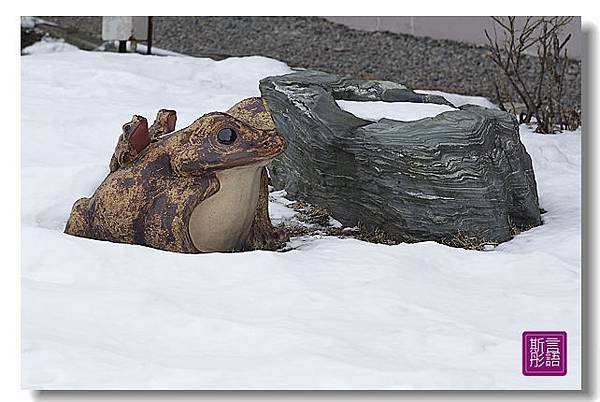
(331, 313)
(30, 22)
(48, 45)
(402, 111)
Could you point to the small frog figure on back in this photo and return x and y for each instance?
(200, 189)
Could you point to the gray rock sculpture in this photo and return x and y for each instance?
(460, 173)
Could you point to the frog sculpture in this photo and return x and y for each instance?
(200, 189)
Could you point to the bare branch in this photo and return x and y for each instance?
(508, 50)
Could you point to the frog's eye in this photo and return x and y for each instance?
(226, 136)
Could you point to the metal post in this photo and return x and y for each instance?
(149, 41)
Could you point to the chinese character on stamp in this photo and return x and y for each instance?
(544, 353)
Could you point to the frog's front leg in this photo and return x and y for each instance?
(263, 235)
(79, 223)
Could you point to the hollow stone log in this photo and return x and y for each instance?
(462, 172)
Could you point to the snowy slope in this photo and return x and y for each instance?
(331, 313)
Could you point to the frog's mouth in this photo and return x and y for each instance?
(258, 153)
(274, 145)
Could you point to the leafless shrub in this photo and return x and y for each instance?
(542, 100)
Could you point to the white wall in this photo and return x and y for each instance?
(465, 29)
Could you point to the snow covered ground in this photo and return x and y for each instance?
(330, 313)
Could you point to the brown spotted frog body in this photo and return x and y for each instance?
(200, 189)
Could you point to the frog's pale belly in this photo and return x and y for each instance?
(222, 222)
